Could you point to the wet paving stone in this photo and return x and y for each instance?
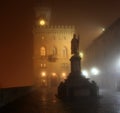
(46, 102)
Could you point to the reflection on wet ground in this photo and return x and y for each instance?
(44, 101)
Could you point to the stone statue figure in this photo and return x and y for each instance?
(75, 45)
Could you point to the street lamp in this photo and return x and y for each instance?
(43, 74)
(53, 74)
(63, 75)
(85, 73)
(103, 29)
(81, 54)
(94, 71)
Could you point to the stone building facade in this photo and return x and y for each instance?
(51, 50)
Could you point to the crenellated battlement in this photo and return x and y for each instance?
(59, 28)
(56, 27)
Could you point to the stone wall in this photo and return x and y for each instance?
(8, 95)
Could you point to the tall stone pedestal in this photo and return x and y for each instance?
(76, 85)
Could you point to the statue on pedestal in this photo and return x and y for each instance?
(76, 86)
(75, 59)
(75, 45)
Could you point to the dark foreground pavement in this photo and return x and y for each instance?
(46, 102)
(38, 101)
(25, 104)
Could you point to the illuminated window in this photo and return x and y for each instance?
(54, 51)
(42, 51)
(64, 52)
(43, 65)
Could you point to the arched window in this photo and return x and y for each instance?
(64, 52)
(54, 51)
(42, 51)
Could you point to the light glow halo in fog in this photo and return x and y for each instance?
(94, 71)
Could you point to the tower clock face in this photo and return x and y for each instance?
(42, 22)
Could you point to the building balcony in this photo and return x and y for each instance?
(52, 58)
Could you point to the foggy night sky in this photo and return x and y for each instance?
(88, 16)
(17, 19)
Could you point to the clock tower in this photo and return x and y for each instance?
(43, 16)
(51, 48)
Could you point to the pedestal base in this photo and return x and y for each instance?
(77, 86)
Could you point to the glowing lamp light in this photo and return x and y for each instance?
(63, 75)
(81, 54)
(43, 74)
(53, 74)
(103, 29)
(85, 73)
(42, 22)
(94, 71)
